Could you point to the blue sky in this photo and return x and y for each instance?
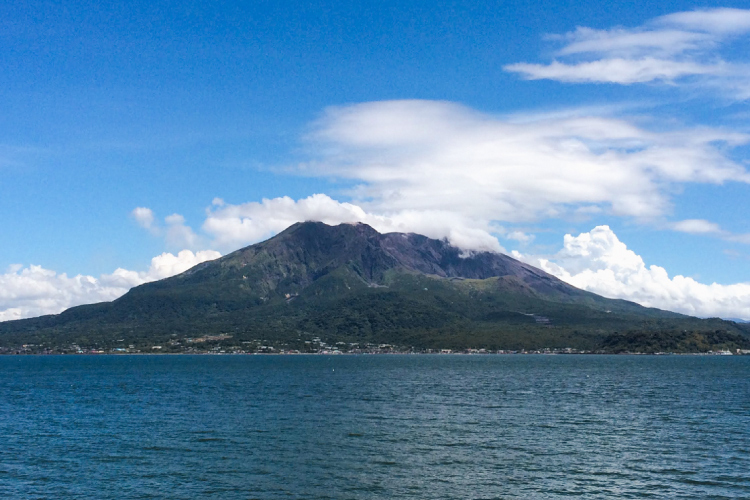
(497, 126)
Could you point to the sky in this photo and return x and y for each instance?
(606, 142)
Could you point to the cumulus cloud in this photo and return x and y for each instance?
(176, 233)
(677, 47)
(599, 262)
(596, 261)
(180, 235)
(162, 266)
(144, 217)
(34, 291)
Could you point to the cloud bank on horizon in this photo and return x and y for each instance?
(445, 170)
(31, 291)
(597, 261)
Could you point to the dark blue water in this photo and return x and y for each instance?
(365, 427)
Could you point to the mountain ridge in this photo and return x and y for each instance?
(351, 284)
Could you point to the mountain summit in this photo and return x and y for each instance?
(352, 286)
(306, 252)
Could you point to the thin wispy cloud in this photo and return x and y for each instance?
(681, 48)
(704, 227)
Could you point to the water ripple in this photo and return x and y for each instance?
(437, 427)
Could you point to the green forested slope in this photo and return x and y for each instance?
(351, 284)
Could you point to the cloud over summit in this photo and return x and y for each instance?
(233, 226)
(433, 155)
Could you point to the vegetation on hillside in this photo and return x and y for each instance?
(350, 286)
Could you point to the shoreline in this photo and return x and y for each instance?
(519, 353)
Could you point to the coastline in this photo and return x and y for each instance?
(391, 353)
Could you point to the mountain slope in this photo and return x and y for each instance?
(351, 284)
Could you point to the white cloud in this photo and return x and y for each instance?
(180, 235)
(446, 171)
(232, 226)
(596, 261)
(685, 46)
(697, 226)
(616, 70)
(630, 43)
(721, 20)
(144, 217)
(162, 266)
(174, 219)
(176, 233)
(520, 237)
(738, 238)
(701, 226)
(440, 156)
(34, 291)
(599, 262)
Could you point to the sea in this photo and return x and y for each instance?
(374, 427)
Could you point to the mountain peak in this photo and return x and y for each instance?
(352, 285)
(313, 248)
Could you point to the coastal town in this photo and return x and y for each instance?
(225, 344)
